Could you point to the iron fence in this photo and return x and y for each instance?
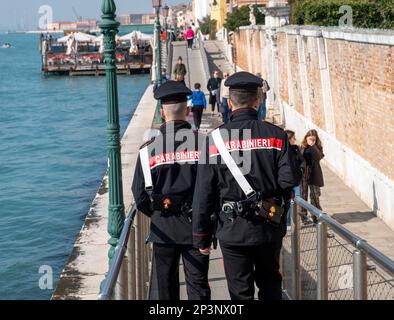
(325, 261)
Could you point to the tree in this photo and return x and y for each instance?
(208, 27)
(240, 17)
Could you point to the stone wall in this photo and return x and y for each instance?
(340, 82)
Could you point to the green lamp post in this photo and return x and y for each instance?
(116, 212)
(157, 5)
(166, 11)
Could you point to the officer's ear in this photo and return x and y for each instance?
(187, 111)
(230, 104)
(163, 113)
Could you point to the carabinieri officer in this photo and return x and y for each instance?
(250, 200)
(163, 189)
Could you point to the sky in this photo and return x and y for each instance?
(17, 14)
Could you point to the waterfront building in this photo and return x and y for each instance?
(219, 12)
(148, 18)
(124, 19)
(240, 3)
(200, 9)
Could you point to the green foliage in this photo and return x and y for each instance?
(208, 27)
(366, 13)
(240, 17)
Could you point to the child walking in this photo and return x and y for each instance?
(199, 104)
(312, 150)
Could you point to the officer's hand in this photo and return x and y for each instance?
(206, 251)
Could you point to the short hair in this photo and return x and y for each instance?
(175, 110)
(197, 85)
(243, 98)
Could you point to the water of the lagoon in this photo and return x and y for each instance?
(52, 160)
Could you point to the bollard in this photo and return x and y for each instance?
(360, 281)
(295, 251)
(322, 262)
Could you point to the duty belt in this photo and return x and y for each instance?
(268, 209)
(172, 205)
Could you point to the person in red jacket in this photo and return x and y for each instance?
(312, 150)
(190, 37)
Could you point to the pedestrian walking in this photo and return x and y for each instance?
(297, 162)
(190, 37)
(262, 110)
(199, 104)
(312, 150)
(180, 71)
(249, 203)
(163, 188)
(224, 94)
(213, 87)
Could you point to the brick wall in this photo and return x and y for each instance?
(341, 83)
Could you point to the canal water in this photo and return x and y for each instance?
(52, 160)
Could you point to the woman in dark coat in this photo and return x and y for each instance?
(214, 88)
(312, 150)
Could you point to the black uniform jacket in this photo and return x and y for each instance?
(267, 148)
(173, 161)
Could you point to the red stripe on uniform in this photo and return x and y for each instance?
(249, 144)
(174, 157)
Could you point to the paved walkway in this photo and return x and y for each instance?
(337, 199)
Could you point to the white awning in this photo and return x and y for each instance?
(78, 37)
(136, 35)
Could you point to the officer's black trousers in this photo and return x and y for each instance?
(245, 265)
(166, 258)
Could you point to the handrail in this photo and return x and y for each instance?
(113, 272)
(203, 55)
(384, 261)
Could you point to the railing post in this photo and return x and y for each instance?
(116, 214)
(295, 251)
(132, 283)
(322, 262)
(139, 256)
(360, 281)
(121, 288)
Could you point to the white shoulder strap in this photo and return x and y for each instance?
(232, 166)
(144, 157)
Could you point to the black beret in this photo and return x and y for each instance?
(244, 80)
(172, 92)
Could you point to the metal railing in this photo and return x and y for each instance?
(203, 55)
(327, 261)
(128, 274)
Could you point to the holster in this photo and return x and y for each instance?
(172, 205)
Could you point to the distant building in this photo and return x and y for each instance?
(87, 24)
(200, 9)
(136, 18)
(124, 19)
(182, 14)
(240, 3)
(219, 11)
(70, 25)
(148, 18)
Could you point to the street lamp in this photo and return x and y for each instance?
(166, 11)
(156, 4)
(116, 212)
